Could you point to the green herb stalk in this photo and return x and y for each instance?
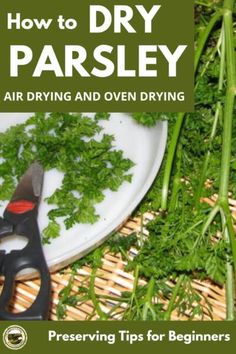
(226, 148)
(180, 118)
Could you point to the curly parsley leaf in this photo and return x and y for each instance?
(75, 145)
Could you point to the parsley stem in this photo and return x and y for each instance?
(177, 184)
(228, 119)
(230, 98)
(93, 296)
(170, 159)
(203, 176)
(133, 299)
(148, 305)
(210, 219)
(180, 118)
(204, 37)
(222, 60)
(229, 287)
(218, 115)
(230, 290)
(170, 307)
(230, 229)
(212, 56)
(226, 148)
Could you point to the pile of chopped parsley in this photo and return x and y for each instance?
(75, 145)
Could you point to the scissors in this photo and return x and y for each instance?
(20, 218)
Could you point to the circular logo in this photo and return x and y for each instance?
(14, 337)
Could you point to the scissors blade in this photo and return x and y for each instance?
(30, 184)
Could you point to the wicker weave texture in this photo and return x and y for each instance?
(112, 280)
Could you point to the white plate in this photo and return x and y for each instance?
(144, 146)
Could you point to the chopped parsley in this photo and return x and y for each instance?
(75, 145)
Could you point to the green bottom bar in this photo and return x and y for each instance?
(107, 337)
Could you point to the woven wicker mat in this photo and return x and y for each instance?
(112, 279)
